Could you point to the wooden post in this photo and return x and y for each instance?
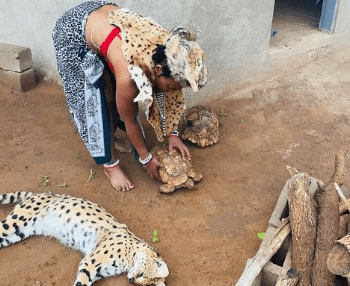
(328, 224)
(254, 266)
(338, 260)
(303, 220)
(344, 219)
(343, 225)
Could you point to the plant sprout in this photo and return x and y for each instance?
(63, 185)
(77, 155)
(222, 112)
(91, 175)
(155, 237)
(45, 180)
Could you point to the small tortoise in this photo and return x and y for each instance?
(177, 172)
(200, 125)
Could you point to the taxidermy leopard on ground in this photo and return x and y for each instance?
(109, 247)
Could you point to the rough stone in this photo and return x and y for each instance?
(21, 81)
(15, 58)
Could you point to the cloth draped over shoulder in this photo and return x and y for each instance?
(141, 36)
(81, 71)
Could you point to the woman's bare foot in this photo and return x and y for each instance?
(122, 145)
(118, 178)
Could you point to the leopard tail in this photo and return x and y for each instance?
(15, 197)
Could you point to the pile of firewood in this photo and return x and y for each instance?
(318, 222)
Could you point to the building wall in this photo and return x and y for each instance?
(343, 18)
(234, 34)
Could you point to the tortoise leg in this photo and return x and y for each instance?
(188, 184)
(167, 188)
(195, 176)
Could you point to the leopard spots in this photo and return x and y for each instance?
(109, 247)
(155, 120)
(173, 110)
(141, 36)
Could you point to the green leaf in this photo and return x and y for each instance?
(45, 180)
(261, 235)
(155, 233)
(155, 239)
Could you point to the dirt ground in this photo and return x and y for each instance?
(296, 116)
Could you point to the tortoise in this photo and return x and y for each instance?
(200, 125)
(178, 172)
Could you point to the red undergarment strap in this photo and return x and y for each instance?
(105, 45)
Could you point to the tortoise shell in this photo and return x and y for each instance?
(200, 125)
(178, 172)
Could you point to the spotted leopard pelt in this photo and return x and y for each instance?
(140, 37)
(108, 246)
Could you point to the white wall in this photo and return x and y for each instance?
(343, 18)
(235, 34)
(30, 23)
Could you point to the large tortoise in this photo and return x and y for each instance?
(178, 172)
(200, 125)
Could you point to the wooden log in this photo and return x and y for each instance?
(344, 205)
(338, 260)
(344, 219)
(254, 266)
(328, 224)
(343, 208)
(291, 278)
(339, 169)
(303, 220)
(342, 197)
(343, 225)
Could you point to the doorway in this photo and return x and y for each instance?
(294, 21)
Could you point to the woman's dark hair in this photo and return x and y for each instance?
(159, 57)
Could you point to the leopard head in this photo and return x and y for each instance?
(148, 269)
(185, 58)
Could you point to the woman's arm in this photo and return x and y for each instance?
(127, 108)
(126, 91)
(128, 112)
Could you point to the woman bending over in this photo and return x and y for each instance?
(147, 66)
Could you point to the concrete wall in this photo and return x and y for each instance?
(235, 34)
(343, 18)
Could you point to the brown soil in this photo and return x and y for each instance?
(295, 116)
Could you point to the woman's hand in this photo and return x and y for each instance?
(175, 141)
(152, 168)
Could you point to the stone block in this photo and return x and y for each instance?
(270, 274)
(15, 58)
(21, 81)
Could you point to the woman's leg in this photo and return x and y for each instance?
(119, 180)
(84, 93)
